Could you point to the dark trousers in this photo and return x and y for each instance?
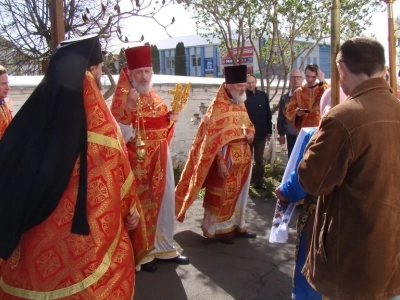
(258, 147)
(290, 140)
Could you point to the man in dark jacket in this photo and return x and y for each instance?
(285, 127)
(257, 105)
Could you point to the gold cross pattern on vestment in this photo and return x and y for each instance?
(243, 128)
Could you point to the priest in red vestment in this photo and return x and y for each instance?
(303, 108)
(67, 193)
(220, 161)
(149, 126)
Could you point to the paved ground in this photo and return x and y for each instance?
(247, 270)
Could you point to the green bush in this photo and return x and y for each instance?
(272, 179)
(177, 176)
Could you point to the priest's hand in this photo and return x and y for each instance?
(222, 170)
(250, 138)
(279, 195)
(132, 221)
(282, 140)
(132, 98)
(173, 116)
(320, 75)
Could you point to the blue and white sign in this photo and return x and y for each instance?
(208, 65)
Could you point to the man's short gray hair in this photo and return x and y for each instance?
(297, 70)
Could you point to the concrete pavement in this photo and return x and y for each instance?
(251, 269)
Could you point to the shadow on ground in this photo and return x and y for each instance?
(251, 269)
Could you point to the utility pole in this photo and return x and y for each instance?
(57, 32)
(335, 44)
(392, 46)
(57, 22)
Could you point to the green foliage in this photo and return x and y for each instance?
(177, 176)
(293, 28)
(110, 62)
(155, 59)
(121, 59)
(276, 171)
(180, 60)
(272, 178)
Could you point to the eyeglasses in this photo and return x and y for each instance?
(297, 77)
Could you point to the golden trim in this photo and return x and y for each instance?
(222, 231)
(73, 289)
(147, 206)
(103, 140)
(127, 185)
(160, 255)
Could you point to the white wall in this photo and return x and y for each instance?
(203, 91)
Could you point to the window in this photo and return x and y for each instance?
(196, 61)
(171, 62)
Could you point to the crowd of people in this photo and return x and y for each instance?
(87, 191)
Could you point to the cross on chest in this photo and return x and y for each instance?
(243, 128)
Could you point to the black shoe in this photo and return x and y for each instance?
(148, 267)
(246, 235)
(228, 241)
(179, 260)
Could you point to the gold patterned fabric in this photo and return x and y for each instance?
(156, 131)
(225, 124)
(306, 98)
(5, 118)
(50, 262)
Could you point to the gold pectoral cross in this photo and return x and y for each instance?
(243, 128)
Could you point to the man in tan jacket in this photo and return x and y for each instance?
(353, 164)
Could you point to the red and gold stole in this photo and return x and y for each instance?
(5, 118)
(306, 98)
(156, 131)
(222, 125)
(50, 262)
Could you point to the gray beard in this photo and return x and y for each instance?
(141, 88)
(237, 97)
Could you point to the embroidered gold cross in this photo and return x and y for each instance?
(140, 172)
(243, 128)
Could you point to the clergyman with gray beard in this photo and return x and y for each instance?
(220, 160)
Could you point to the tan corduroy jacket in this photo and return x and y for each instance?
(353, 164)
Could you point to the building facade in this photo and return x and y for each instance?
(204, 57)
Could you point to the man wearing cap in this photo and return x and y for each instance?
(220, 161)
(136, 104)
(67, 196)
(5, 114)
(303, 108)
